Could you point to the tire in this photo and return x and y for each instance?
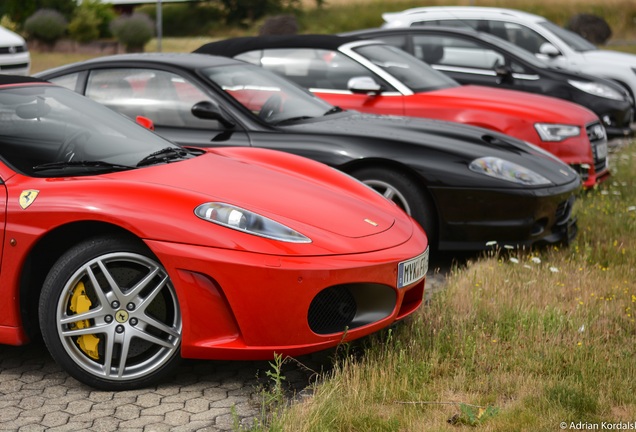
(110, 316)
(403, 191)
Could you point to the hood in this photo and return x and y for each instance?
(528, 106)
(427, 139)
(8, 38)
(282, 187)
(437, 135)
(608, 58)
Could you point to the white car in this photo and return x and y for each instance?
(14, 55)
(557, 46)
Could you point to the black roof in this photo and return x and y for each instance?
(182, 60)
(17, 79)
(234, 46)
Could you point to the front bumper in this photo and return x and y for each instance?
(471, 219)
(248, 306)
(586, 154)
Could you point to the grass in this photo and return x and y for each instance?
(41, 61)
(346, 15)
(516, 341)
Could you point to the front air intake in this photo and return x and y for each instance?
(341, 307)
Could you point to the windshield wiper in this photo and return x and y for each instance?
(164, 155)
(333, 110)
(292, 119)
(81, 164)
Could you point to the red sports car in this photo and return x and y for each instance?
(128, 252)
(371, 76)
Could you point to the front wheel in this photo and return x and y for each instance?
(403, 191)
(109, 315)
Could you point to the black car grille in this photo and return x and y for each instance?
(12, 49)
(14, 66)
(598, 140)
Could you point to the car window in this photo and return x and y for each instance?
(413, 73)
(309, 67)
(575, 41)
(163, 97)
(446, 23)
(518, 34)
(456, 51)
(69, 81)
(399, 41)
(45, 124)
(267, 95)
(524, 37)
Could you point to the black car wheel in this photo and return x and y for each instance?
(403, 191)
(109, 315)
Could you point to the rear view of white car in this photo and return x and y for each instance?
(556, 45)
(14, 55)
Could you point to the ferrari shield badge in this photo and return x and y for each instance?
(27, 197)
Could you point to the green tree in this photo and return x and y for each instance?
(134, 31)
(46, 25)
(20, 10)
(84, 27)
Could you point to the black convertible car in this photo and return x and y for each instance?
(466, 186)
(472, 57)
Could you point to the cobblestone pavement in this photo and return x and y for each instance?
(37, 395)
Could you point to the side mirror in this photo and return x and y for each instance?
(549, 50)
(145, 122)
(504, 75)
(364, 84)
(33, 110)
(209, 111)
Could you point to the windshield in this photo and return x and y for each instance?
(413, 73)
(44, 124)
(269, 97)
(573, 40)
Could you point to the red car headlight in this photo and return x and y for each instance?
(239, 219)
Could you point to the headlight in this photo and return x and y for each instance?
(506, 170)
(556, 132)
(597, 89)
(249, 222)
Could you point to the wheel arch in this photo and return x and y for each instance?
(627, 87)
(43, 256)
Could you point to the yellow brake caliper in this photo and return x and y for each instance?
(80, 303)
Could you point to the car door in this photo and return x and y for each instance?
(329, 74)
(165, 97)
(470, 60)
(463, 59)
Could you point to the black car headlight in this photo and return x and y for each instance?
(597, 89)
(508, 171)
(556, 132)
(248, 222)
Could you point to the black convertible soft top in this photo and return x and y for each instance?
(234, 46)
(18, 79)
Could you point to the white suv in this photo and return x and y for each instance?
(548, 41)
(14, 55)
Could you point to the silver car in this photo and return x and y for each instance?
(555, 45)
